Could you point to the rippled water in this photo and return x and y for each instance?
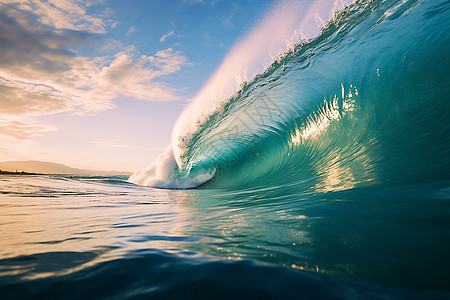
(103, 237)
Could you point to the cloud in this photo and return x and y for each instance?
(41, 73)
(19, 98)
(111, 45)
(195, 1)
(131, 30)
(66, 14)
(202, 2)
(169, 61)
(133, 75)
(227, 21)
(93, 2)
(166, 35)
(21, 130)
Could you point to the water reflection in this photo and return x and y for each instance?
(292, 225)
(62, 215)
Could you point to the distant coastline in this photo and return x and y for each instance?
(18, 173)
(31, 167)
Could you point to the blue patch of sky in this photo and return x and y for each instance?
(203, 31)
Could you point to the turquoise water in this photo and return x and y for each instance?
(361, 105)
(330, 181)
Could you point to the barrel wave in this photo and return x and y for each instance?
(323, 176)
(364, 103)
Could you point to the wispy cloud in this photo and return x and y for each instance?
(195, 1)
(227, 21)
(131, 30)
(112, 45)
(21, 130)
(40, 73)
(93, 2)
(166, 35)
(65, 14)
(202, 2)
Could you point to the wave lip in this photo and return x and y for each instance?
(191, 161)
(360, 104)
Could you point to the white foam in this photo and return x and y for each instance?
(163, 174)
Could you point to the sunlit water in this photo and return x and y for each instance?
(100, 237)
(328, 177)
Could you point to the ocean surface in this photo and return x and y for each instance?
(325, 177)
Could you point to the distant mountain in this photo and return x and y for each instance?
(53, 168)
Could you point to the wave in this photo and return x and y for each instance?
(364, 102)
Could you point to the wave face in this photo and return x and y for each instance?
(363, 103)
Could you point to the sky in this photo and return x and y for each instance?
(99, 84)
